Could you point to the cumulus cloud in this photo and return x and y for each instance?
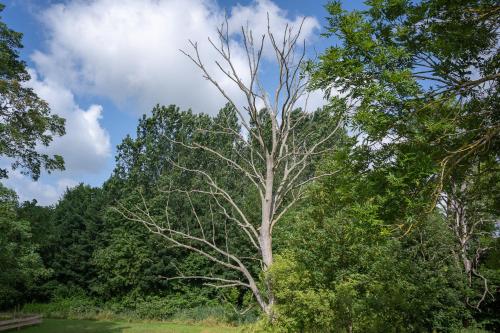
(255, 17)
(86, 146)
(128, 50)
(45, 193)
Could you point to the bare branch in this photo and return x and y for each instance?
(276, 158)
(209, 278)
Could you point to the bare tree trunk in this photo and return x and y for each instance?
(277, 166)
(267, 212)
(463, 235)
(465, 227)
(265, 237)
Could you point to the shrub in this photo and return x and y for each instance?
(173, 308)
(75, 307)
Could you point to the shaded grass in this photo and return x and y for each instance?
(93, 326)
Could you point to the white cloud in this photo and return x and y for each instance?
(312, 101)
(45, 194)
(128, 50)
(255, 17)
(86, 146)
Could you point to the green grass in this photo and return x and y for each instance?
(96, 326)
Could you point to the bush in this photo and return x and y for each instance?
(350, 275)
(160, 308)
(76, 307)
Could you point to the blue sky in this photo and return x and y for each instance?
(101, 64)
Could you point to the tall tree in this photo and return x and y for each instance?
(77, 220)
(272, 156)
(25, 119)
(424, 78)
(144, 162)
(21, 267)
(427, 68)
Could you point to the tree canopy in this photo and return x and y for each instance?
(25, 119)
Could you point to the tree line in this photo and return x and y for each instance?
(375, 213)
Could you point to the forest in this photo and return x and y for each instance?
(378, 212)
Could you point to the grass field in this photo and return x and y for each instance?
(91, 326)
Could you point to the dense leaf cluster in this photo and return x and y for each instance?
(25, 119)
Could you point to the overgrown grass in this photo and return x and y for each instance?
(160, 309)
(87, 326)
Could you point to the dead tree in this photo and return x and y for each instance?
(466, 217)
(277, 163)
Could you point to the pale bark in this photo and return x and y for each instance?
(465, 225)
(276, 166)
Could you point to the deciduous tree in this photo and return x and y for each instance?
(25, 119)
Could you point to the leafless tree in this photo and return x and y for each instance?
(277, 164)
(466, 218)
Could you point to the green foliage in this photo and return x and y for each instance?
(25, 119)
(77, 306)
(172, 308)
(364, 251)
(424, 76)
(78, 225)
(121, 264)
(21, 267)
(377, 285)
(344, 266)
(145, 170)
(116, 267)
(424, 79)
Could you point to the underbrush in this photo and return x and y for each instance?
(139, 309)
(156, 308)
